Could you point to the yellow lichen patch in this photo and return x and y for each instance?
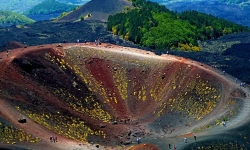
(11, 135)
(70, 127)
(142, 94)
(86, 106)
(158, 88)
(72, 62)
(197, 99)
(231, 102)
(121, 82)
(162, 109)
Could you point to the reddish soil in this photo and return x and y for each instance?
(143, 147)
(156, 77)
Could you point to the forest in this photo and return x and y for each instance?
(10, 18)
(152, 25)
(50, 7)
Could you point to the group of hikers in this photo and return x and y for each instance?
(169, 146)
(53, 139)
(185, 140)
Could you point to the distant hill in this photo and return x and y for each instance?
(238, 2)
(8, 18)
(18, 5)
(74, 2)
(49, 7)
(231, 12)
(97, 10)
(24, 5)
(241, 2)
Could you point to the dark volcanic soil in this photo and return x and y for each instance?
(213, 53)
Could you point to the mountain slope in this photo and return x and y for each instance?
(229, 12)
(49, 7)
(97, 10)
(73, 2)
(24, 5)
(8, 18)
(18, 5)
(241, 2)
(237, 2)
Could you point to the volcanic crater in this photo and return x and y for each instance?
(108, 95)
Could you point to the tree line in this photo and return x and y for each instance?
(152, 25)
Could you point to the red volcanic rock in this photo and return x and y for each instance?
(143, 147)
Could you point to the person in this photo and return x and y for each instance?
(240, 84)
(224, 123)
(169, 145)
(139, 140)
(174, 147)
(185, 140)
(51, 138)
(194, 136)
(7, 53)
(56, 139)
(236, 80)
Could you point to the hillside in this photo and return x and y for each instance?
(8, 18)
(152, 25)
(238, 2)
(49, 7)
(22, 6)
(97, 10)
(73, 2)
(110, 95)
(235, 13)
(18, 5)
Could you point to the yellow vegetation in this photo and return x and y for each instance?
(11, 135)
